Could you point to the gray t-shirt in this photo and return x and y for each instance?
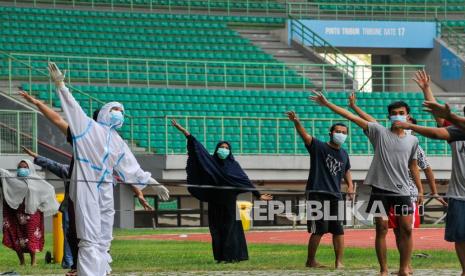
(457, 179)
(389, 169)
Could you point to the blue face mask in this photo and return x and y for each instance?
(398, 118)
(23, 172)
(116, 118)
(223, 153)
(339, 138)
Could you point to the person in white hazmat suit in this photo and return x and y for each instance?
(98, 152)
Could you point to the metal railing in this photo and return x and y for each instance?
(194, 6)
(17, 129)
(37, 74)
(372, 11)
(301, 33)
(31, 68)
(455, 39)
(255, 135)
(43, 74)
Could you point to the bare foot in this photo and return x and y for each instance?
(315, 264)
(72, 272)
(339, 266)
(383, 273)
(410, 272)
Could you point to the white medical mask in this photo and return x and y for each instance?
(398, 118)
(339, 138)
(23, 172)
(223, 153)
(116, 118)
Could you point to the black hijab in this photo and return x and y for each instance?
(206, 169)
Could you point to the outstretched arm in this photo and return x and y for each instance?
(300, 129)
(422, 79)
(180, 128)
(430, 132)
(78, 121)
(58, 169)
(358, 110)
(444, 111)
(320, 99)
(48, 112)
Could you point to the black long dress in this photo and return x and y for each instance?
(228, 239)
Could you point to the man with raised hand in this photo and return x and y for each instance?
(455, 136)
(394, 154)
(98, 152)
(423, 164)
(329, 164)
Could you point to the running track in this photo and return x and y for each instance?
(424, 238)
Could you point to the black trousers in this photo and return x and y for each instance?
(228, 239)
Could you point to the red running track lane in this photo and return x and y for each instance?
(424, 238)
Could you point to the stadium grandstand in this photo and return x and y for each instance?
(228, 70)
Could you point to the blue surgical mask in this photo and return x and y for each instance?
(23, 172)
(116, 118)
(339, 138)
(223, 153)
(398, 118)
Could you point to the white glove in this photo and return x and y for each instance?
(57, 76)
(161, 191)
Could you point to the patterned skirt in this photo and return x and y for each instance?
(24, 233)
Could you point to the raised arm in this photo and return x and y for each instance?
(444, 111)
(77, 119)
(358, 110)
(48, 112)
(298, 126)
(430, 132)
(180, 128)
(422, 79)
(320, 99)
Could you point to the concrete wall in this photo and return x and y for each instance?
(282, 168)
(434, 62)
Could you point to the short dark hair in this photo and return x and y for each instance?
(464, 110)
(95, 115)
(398, 104)
(413, 120)
(337, 124)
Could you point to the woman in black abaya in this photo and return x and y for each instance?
(219, 169)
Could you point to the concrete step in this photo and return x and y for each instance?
(261, 37)
(270, 44)
(252, 31)
(278, 53)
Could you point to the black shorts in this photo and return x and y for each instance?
(325, 225)
(381, 201)
(455, 221)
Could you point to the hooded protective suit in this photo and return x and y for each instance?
(98, 151)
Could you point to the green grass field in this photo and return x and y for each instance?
(158, 256)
